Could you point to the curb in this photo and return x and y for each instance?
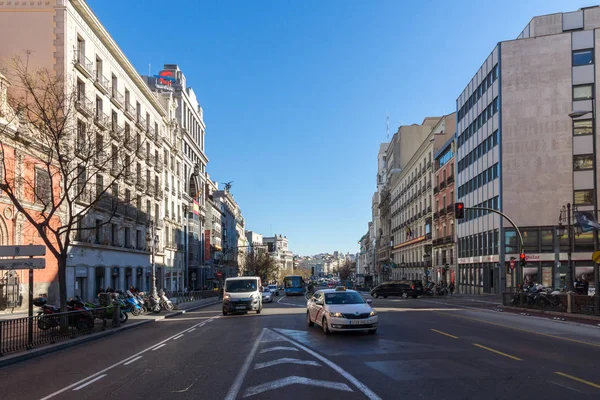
(555, 313)
(29, 354)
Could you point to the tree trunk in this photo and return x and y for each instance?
(62, 289)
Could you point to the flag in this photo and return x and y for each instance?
(586, 221)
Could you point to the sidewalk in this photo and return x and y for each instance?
(133, 322)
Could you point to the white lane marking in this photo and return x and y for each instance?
(285, 361)
(291, 380)
(132, 361)
(89, 382)
(278, 348)
(177, 337)
(114, 365)
(193, 329)
(158, 347)
(289, 304)
(239, 379)
(563, 386)
(362, 387)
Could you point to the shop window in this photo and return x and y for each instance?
(547, 240)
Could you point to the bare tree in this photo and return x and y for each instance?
(260, 263)
(75, 163)
(346, 270)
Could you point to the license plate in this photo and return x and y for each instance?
(354, 322)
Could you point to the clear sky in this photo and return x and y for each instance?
(296, 92)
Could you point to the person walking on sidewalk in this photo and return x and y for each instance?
(451, 287)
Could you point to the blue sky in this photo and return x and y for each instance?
(296, 93)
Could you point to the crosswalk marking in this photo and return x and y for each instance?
(291, 380)
(285, 361)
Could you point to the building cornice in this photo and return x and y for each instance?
(90, 18)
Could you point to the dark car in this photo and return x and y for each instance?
(404, 289)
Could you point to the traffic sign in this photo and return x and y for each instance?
(427, 272)
(219, 274)
(25, 263)
(193, 275)
(22, 251)
(596, 257)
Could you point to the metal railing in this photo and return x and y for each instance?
(26, 333)
(186, 297)
(579, 304)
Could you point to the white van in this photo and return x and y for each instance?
(242, 294)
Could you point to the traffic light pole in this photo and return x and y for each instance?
(502, 263)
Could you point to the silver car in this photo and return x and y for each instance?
(267, 296)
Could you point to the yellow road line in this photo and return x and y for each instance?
(497, 352)
(592, 384)
(445, 334)
(524, 330)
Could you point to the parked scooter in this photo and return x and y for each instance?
(165, 303)
(100, 312)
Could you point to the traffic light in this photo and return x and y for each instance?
(459, 210)
(522, 260)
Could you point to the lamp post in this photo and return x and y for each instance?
(565, 216)
(152, 237)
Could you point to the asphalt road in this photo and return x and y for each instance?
(424, 348)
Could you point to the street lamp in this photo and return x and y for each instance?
(578, 114)
(565, 216)
(152, 237)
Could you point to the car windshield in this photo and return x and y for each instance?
(240, 285)
(344, 298)
(266, 290)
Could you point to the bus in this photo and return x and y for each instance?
(293, 285)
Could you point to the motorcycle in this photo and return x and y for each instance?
(165, 303)
(100, 312)
(49, 316)
(131, 304)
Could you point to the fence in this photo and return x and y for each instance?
(567, 303)
(186, 297)
(28, 332)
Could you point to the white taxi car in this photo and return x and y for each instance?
(340, 309)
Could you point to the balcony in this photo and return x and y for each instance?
(429, 210)
(117, 98)
(130, 211)
(149, 160)
(174, 191)
(128, 177)
(428, 184)
(102, 120)
(442, 185)
(157, 193)
(428, 236)
(142, 217)
(116, 131)
(141, 122)
(150, 189)
(179, 193)
(100, 159)
(428, 164)
(140, 183)
(150, 133)
(450, 209)
(448, 239)
(102, 83)
(436, 190)
(442, 212)
(105, 202)
(140, 152)
(116, 167)
(450, 179)
(129, 111)
(85, 106)
(84, 65)
(436, 215)
(158, 165)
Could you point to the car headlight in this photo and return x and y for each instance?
(227, 297)
(336, 315)
(373, 313)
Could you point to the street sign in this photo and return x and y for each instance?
(219, 274)
(596, 256)
(22, 251)
(512, 264)
(193, 275)
(25, 263)
(427, 272)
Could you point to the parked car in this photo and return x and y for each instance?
(274, 290)
(405, 289)
(267, 295)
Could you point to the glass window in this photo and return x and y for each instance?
(583, 57)
(582, 127)
(511, 241)
(531, 239)
(584, 197)
(583, 162)
(547, 239)
(584, 242)
(583, 92)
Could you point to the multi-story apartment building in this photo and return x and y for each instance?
(278, 247)
(190, 162)
(381, 217)
(410, 161)
(229, 257)
(444, 238)
(519, 151)
(67, 38)
(21, 155)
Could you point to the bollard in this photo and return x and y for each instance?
(116, 315)
(570, 302)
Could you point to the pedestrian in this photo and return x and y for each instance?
(451, 288)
